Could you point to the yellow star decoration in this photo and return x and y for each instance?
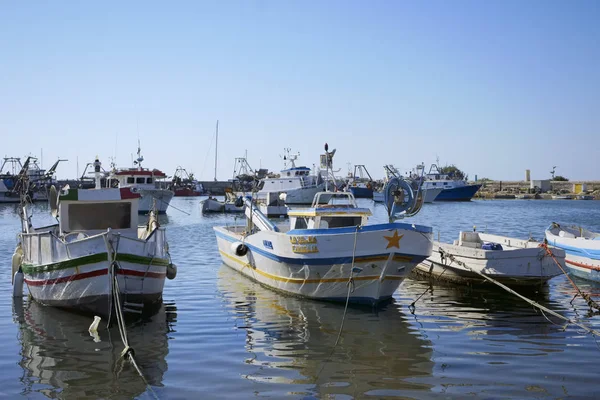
(394, 240)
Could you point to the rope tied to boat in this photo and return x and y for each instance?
(128, 351)
(585, 296)
(533, 303)
(411, 306)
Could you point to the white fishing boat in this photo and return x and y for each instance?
(96, 252)
(514, 262)
(327, 251)
(231, 204)
(297, 183)
(150, 184)
(582, 247)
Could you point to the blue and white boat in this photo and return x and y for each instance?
(453, 189)
(582, 249)
(361, 183)
(328, 251)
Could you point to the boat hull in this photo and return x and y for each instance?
(582, 255)
(77, 272)
(216, 206)
(516, 267)
(322, 266)
(361, 192)
(84, 284)
(461, 193)
(149, 198)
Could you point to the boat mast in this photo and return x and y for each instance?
(216, 147)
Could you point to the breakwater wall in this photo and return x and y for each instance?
(507, 189)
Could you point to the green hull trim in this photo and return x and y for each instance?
(91, 259)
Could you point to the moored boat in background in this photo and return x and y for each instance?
(453, 189)
(582, 249)
(150, 184)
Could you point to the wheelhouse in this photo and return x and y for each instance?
(340, 211)
(93, 211)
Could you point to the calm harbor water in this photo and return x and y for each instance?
(220, 335)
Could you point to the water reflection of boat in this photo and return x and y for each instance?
(291, 340)
(61, 359)
(482, 309)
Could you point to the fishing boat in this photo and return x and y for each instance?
(582, 247)
(562, 197)
(296, 182)
(96, 254)
(360, 183)
(453, 188)
(184, 184)
(328, 251)
(231, 204)
(150, 184)
(514, 262)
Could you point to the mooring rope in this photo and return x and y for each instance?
(533, 303)
(127, 350)
(162, 201)
(588, 299)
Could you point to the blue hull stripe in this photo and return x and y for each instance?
(315, 261)
(578, 251)
(366, 228)
(361, 193)
(463, 193)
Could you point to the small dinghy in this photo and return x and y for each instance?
(513, 262)
(582, 247)
(232, 204)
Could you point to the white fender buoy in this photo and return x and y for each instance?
(93, 329)
(18, 284)
(17, 259)
(239, 249)
(171, 271)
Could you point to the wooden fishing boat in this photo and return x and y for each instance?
(95, 252)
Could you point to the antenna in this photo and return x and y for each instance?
(216, 147)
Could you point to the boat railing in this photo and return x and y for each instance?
(46, 247)
(331, 197)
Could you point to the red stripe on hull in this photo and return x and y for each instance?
(93, 274)
(583, 265)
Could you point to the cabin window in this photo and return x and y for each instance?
(300, 223)
(131, 179)
(445, 183)
(434, 184)
(148, 180)
(341, 222)
(92, 216)
(288, 174)
(140, 180)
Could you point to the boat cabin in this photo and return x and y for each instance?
(291, 178)
(92, 211)
(141, 178)
(340, 212)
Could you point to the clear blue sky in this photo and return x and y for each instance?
(494, 87)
